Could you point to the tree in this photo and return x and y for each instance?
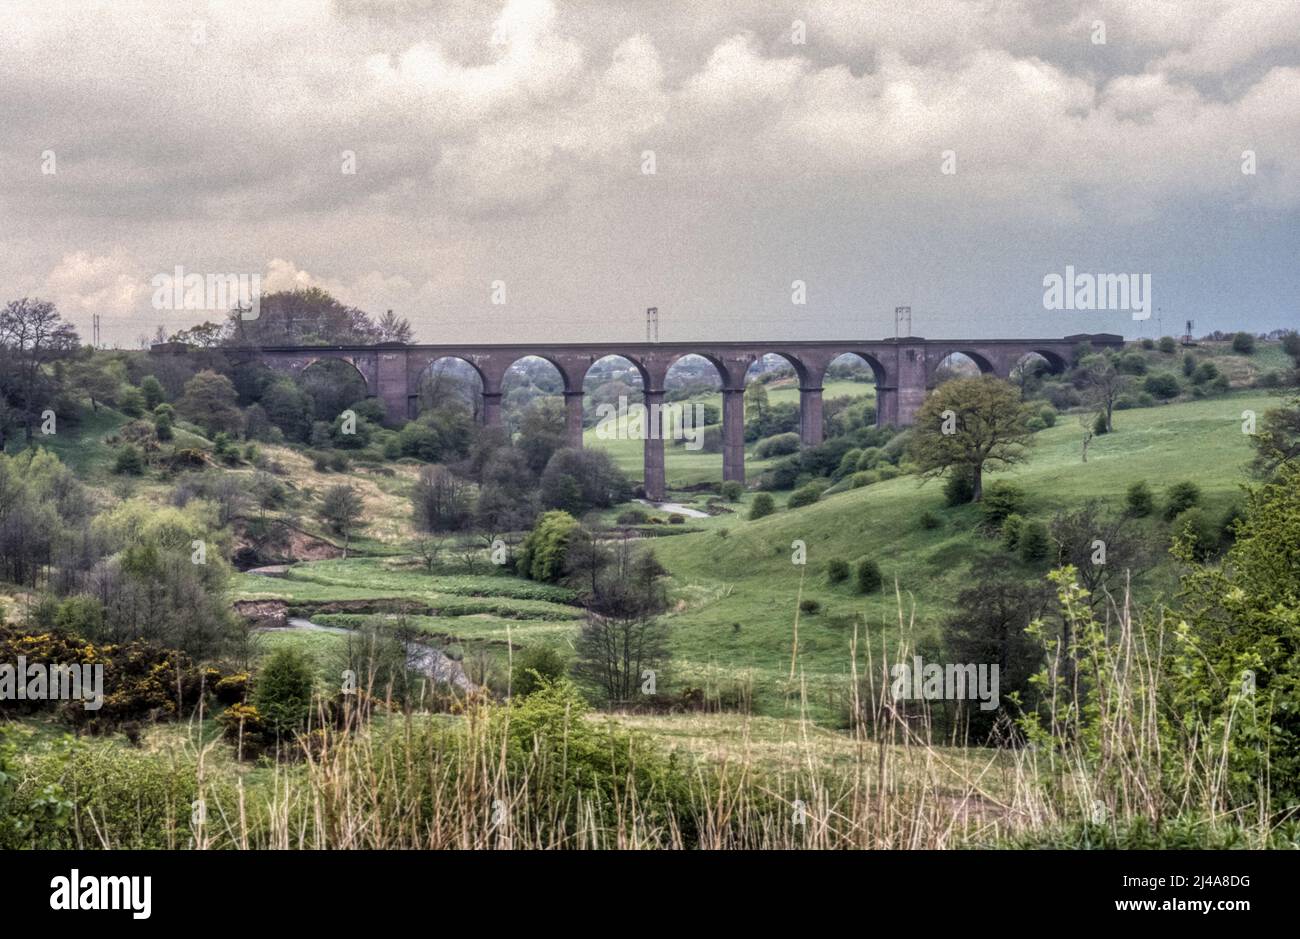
(1277, 442)
(1243, 343)
(623, 635)
(211, 402)
(542, 431)
(92, 376)
(441, 500)
(507, 495)
(394, 328)
(341, 509)
(153, 392)
(1103, 549)
(579, 480)
(1239, 665)
(32, 336)
(990, 627)
(968, 424)
(1103, 384)
(543, 554)
(283, 691)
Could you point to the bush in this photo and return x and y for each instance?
(535, 668)
(763, 505)
(1197, 530)
(1012, 526)
(858, 480)
(959, 489)
(778, 445)
(1206, 371)
(809, 605)
(1181, 497)
(782, 476)
(1167, 345)
(732, 490)
(837, 570)
(869, 577)
(543, 552)
(930, 521)
(1048, 416)
(1033, 541)
(676, 519)
(1189, 364)
(1162, 385)
(1001, 499)
(1139, 502)
(869, 458)
(805, 495)
(1099, 424)
(129, 462)
(1243, 343)
(1148, 344)
(282, 691)
(633, 517)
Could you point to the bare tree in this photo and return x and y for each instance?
(32, 335)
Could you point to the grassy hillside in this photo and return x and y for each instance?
(740, 590)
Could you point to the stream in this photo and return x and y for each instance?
(676, 508)
(420, 657)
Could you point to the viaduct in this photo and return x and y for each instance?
(904, 369)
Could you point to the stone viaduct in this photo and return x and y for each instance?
(904, 370)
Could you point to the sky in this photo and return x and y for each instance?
(536, 170)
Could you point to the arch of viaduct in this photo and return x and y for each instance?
(904, 370)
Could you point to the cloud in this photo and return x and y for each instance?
(112, 285)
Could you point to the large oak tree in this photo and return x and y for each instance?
(967, 425)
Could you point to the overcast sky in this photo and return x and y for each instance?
(508, 142)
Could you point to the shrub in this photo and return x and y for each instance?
(1167, 345)
(1189, 364)
(1162, 385)
(1148, 344)
(535, 668)
(1243, 343)
(1012, 526)
(1048, 416)
(930, 521)
(778, 445)
(959, 489)
(1206, 371)
(869, 577)
(1139, 502)
(762, 505)
(676, 519)
(805, 495)
(1197, 530)
(732, 490)
(1181, 497)
(543, 553)
(809, 605)
(282, 691)
(633, 517)
(1033, 541)
(869, 458)
(129, 462)
(858, 480)
(837, 570)
(782, 476)
(1001, 499)
(1099, 424)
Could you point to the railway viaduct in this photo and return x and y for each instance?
(904, 370)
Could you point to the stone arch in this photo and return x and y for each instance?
(982, 361)
(1055, 360)
(303, 365)
(425, 370)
